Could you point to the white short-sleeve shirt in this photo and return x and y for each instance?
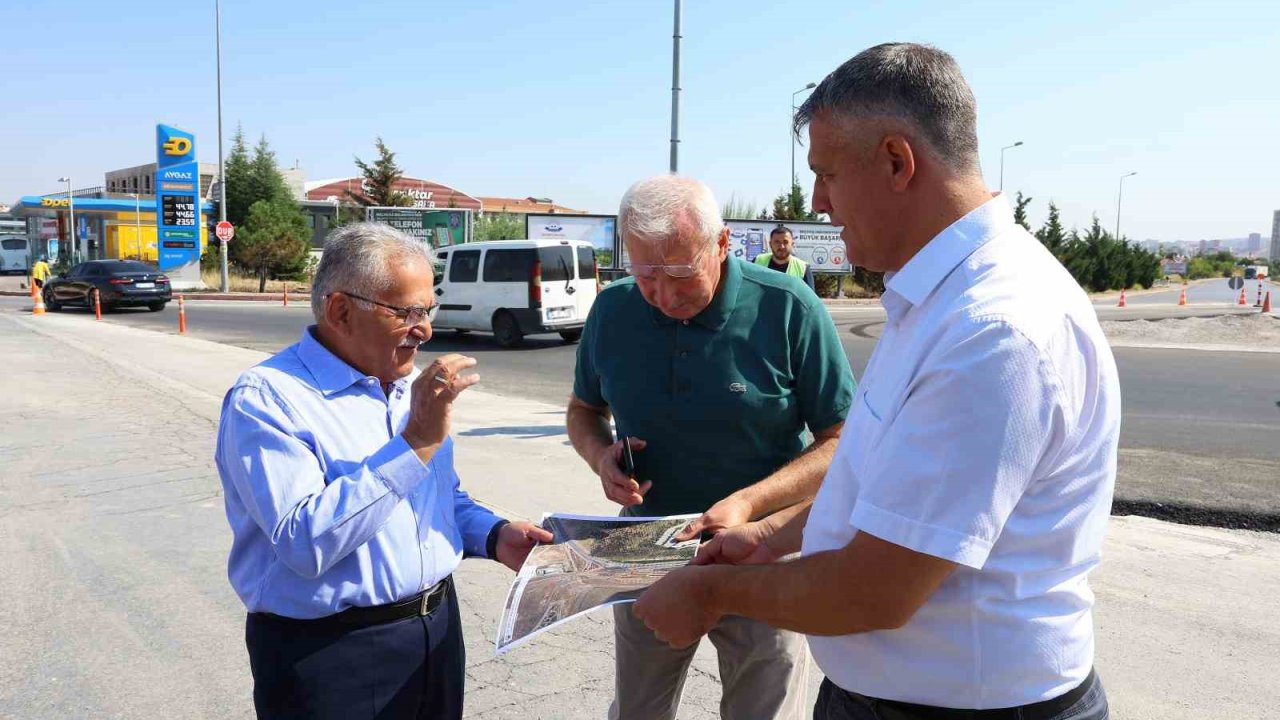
(984, 431)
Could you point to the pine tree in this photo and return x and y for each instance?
(237, 171)
(380, 178)
(792, 205)
(1052, 235)
(275, 240)
(1020, 211)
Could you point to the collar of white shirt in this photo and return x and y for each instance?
(924, 272)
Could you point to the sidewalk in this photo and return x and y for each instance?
(112, 518)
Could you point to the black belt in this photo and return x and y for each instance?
(422, 604)
(1043, 710)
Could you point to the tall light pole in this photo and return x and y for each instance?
(1006, 147)
(222, 176)
(1119, 198)
(791, 133)
(137, 222)
(71, 219)
(675, 92)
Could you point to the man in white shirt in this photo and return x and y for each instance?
(946, 556)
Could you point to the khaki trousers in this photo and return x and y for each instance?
(763, 671)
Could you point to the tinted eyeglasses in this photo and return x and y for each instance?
(679, 271)
(410, 316)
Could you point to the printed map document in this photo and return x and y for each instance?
(593, 562)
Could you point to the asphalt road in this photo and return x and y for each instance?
(1199, 430)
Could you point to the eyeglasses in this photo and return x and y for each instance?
(410, 316)
(679, 271)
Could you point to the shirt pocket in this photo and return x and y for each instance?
(864, 427)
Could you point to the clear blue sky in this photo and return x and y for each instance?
(571, 100)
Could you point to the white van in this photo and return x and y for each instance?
(515, 288)
(15, 254)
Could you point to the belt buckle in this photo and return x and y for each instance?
(425, 608)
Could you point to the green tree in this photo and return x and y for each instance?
(499, 226)
(1052, 234)
(265, 180)
(1020, 210)
(274, 241)
(380, 178)
(237, 170)
(737, 209)
(793, 205)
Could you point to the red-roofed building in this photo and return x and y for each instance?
(526, 206)
(424, 193)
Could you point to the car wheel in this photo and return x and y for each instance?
(155, 306)
(506, 330)
(571, 336)
(51, 304)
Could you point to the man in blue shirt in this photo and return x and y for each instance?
(347, 514)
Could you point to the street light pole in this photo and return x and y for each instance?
(1119, 199)
(675, 92)
(1006, 147)
(222, 176)
(791, 133)
(71, 220)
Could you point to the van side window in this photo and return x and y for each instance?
(465, 266)
(586, 263)
(508, 265)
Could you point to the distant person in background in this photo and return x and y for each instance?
(40, 273)
(781, 243)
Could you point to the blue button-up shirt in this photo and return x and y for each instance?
(328, 505)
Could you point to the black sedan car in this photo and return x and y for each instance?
(121, 283)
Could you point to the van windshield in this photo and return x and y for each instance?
(557, 263)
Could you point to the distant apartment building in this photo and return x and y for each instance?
(1255, 243)
(139, 179)
(1275, 236)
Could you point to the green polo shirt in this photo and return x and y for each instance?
(723, 399)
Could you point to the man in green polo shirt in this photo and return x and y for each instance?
(781, 258)
(714, 367)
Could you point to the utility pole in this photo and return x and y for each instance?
(675, 92)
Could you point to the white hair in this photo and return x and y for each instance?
(664, 208)
(356, 259)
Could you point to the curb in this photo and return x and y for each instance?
(255, 297)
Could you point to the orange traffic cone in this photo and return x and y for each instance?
(1122, 302)
(1182, 299)
(182, 315)
(38, 308)
(97, 304)
(1266, 303)
(1242, 301)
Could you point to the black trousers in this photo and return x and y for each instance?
(407, 669)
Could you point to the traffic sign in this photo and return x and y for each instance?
(225, 231)
(1236, 282)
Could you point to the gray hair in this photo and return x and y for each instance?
(356, 259)
(659, 209)
(918, 85)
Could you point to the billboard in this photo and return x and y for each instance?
(437, 228)
(1173, 267)
(177, 198)
(599, 230)
(816, 243)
